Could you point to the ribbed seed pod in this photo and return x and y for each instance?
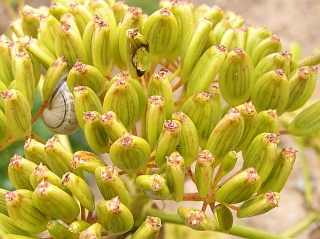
(259, 205)
(7, 226)
(161, 31)
(101, 48)
(250, 116)
(220, 28)
(103, 9)
(6, 73)
(204, 172)
(193, 46)
(13, 85)
(153, 186)
(226, 135)
(183, 13)
(130, 153)
(280, 172)
(42, 173)
(70, 45)
(240, 187)
(24, 213)
(227, 164)
(95, 23)
(94, 231)
(271, 91)
(112, 125)
(80, 190)
(19, 171)
(261, 154)
(57, 9)
(195, 219)
(311, 61)
(85, 75)
(122, 98)
(168, 141)
(175, 175)
(34, 151)
(301, 86)
(111, 2)
(155, 117)
(3, 88)
(47, 32)
(58, 231)
(39, 51)
(124, 75)
(58, 158)
(197, 107)
(110, 184)
(236, 77)
(15, 48)
(55, 202)
(215, 114)
(164, 3)
(235, 19)
(268, 122)
(266, 47)
(14, 236)
(141, 96)
(255, 36)
(4, 129)
(115, 50)
(30, 20)
(136, 45)
(16, 27)
(234, 37)
(95, 133)
(188, 145)
(18, 112)
(132, 19)
(69, 19)
(85, 99)
(56, 73)
(114, 216)
(214, 13)
(86, 161)
(206, 69)
(119, 10)
(36, 68)
(224, 217)
(295, 49)
(278, 60)
(77, 227)
(81, 15)
(159, 85)
(306, 122)
(3, 206)
(149, 229)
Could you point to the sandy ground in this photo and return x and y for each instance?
(290, 20)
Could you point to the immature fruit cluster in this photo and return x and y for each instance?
(220, 92)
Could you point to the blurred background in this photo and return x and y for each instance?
(290, 20)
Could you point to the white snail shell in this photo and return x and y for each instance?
(59, 115)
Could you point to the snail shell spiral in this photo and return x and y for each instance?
(59, 115)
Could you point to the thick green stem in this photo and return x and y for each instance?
(237, 230)
(302, 225)
(175, 74)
